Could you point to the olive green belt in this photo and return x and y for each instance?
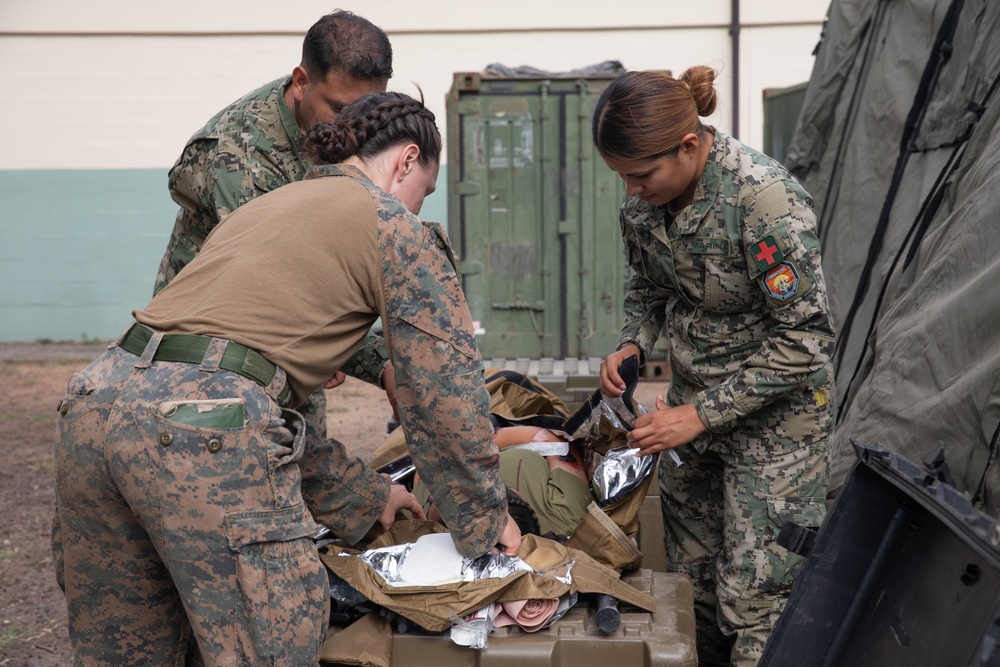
(189, 348)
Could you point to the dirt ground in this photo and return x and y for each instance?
(33, 625)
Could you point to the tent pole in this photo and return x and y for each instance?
(734, 31)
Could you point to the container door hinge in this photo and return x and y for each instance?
(520, 305)
(567, 227)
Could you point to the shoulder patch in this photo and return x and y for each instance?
(767, 253)
(781, 282)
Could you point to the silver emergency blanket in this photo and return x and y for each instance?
(619, 471)
(611, 409)
(387, 561)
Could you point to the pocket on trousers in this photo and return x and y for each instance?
(220, 413)
(80, 386)
(807, 512)
(282, 596)
(79, 392)
(252, 528)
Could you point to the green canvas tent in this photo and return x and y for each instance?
(898, 141)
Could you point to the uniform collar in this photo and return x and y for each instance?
(295, 136)
(664, 224)
(348, 170)
(707, 192)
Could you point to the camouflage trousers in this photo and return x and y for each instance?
(314, 411)
(722, 511)
(180, 519)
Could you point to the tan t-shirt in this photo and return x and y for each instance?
(301, 273)
(247, 283)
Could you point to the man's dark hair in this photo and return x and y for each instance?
(345, 42)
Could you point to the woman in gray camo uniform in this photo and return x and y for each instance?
(726, 261)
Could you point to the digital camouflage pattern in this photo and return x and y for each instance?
(186, 502)
(366, 365)
(187, 498)
(443, 402)
(722, 512)
(734, 279)
(251, 147)
(369, 361)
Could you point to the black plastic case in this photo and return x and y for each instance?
(664, 638)
(904, 571)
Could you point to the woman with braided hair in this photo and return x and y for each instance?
(727, 263)
(188, 491)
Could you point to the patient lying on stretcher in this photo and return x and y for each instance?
(555, 486)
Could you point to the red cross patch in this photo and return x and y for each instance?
(767, 253)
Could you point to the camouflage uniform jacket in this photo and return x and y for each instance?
(735, 276)
(443, 402)
(251, 147)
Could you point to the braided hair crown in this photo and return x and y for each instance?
(373, 124)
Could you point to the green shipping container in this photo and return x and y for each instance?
(533, 215)
(781, 111)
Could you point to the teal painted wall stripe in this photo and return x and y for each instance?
(79, 249)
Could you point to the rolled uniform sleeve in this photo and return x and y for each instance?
(443, 402)
(801, 339)
(368, 363)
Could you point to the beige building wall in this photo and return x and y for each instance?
(122, 84)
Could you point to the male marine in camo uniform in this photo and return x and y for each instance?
(188, 494)
(255, 145)
(728, 260)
